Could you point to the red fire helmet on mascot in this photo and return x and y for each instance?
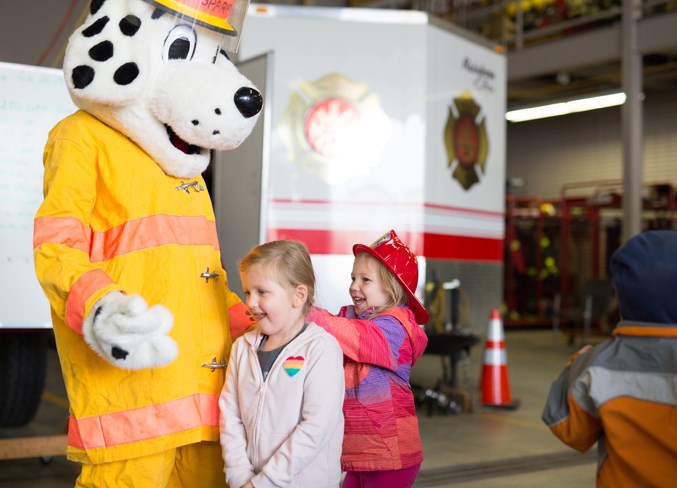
(223, 16)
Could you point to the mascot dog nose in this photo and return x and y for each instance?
(248, 101)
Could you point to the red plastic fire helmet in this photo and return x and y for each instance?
(401, 262)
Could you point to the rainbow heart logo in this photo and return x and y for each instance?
(293, 364)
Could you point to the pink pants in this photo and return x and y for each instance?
(397, 478)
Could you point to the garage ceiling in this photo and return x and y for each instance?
(589, 62)
(563, 60)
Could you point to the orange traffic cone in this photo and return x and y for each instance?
(495, 384)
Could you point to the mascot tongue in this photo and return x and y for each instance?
(180, 144)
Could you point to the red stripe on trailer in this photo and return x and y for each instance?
(430, 246)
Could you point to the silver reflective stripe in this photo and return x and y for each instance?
(606, 384)
(495, 331)
(495, 357)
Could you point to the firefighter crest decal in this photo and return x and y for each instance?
(334, 128)
(465, 138)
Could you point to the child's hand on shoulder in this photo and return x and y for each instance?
(248, 484)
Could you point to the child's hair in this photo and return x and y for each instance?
(290, 263)
(392, 287)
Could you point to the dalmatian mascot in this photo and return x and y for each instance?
(125, 242)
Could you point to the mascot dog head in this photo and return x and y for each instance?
(158, 72)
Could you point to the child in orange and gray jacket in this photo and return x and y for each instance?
(622, 394)
(381, 341)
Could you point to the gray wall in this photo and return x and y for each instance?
(588, 146)
(33, 31)
(481, 285)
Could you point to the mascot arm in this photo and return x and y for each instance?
(120, 328)
(238, 315)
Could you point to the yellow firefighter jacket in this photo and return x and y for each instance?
(113, 220)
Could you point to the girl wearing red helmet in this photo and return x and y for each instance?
(381, 341)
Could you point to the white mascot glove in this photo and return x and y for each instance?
(124, 331)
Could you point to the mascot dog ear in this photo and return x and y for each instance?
(103, 63)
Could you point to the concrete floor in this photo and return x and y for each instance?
(484, 447)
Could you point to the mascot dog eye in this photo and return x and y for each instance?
(180, 43)
(163, 79)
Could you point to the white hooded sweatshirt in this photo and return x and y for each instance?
(288, 429)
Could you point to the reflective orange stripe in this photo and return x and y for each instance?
(153, 231)
(638, 330)
(239, 320)
(88, 284)
(144, 423)
(143, 233)
(61, 230)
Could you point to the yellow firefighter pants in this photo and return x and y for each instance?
(195, 465)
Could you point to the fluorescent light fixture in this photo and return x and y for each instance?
(564, 108)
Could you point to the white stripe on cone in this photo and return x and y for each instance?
(495, 357)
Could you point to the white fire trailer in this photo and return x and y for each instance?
(374, 119)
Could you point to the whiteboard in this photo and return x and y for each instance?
(32, 101)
